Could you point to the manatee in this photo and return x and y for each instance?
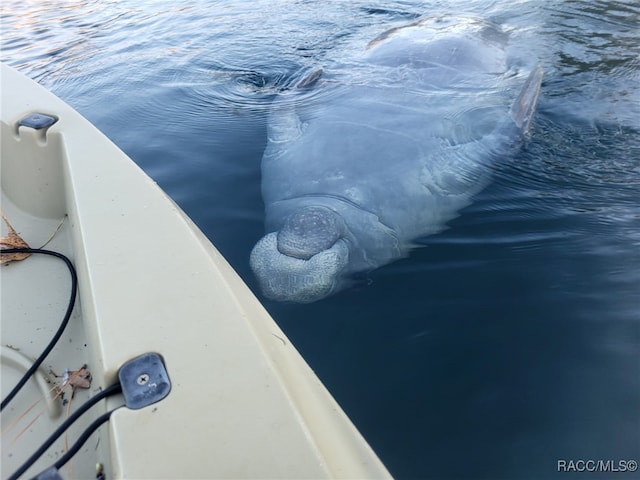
(384, 150)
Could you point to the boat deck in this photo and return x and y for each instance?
(242, 404)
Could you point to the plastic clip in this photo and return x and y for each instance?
(37, 121)
(144, 381)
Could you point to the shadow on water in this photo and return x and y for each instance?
(504, 344)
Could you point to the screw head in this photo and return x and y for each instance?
(142, 379)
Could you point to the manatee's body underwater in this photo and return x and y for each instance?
(404, 139)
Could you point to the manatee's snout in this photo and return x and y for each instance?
(309, 231)
(303, 261)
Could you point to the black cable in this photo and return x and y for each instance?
(112, 390)
(63, 325)
(82, 439)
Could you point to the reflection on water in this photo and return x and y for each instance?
(511, 340)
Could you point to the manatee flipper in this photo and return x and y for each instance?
(461, 164)
(524, 106)
(284, 123)
(311, 79)
(515, 128)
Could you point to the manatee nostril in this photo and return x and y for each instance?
(309, 231)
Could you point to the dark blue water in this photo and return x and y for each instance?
(510, 341)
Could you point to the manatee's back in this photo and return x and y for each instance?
(410, 143)
(445, 50)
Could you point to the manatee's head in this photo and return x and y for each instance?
(305, 260)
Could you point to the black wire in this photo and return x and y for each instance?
(63, 325)
(82, 439)
(112, 390)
